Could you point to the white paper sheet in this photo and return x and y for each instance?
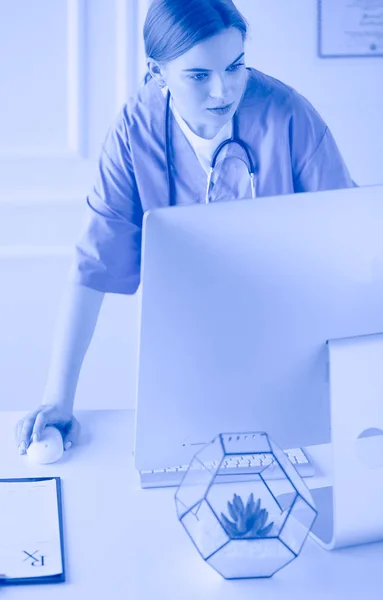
(29, 529)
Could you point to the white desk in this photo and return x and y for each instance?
(126, 543)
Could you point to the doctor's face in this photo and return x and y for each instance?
(208, 81)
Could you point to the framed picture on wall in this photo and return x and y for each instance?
(350, 28)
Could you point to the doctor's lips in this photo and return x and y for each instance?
(221, 110)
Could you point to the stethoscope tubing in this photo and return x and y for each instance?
(235, 139)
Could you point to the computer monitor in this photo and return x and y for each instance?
(238, 300)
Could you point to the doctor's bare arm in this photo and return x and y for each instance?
(77, 318)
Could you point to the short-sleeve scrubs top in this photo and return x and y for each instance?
(292, 148)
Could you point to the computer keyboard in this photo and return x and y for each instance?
(234, 465)
(257, 462)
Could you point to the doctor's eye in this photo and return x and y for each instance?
(235, 67)
(198, 77)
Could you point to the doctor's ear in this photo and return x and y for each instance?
(155, 71)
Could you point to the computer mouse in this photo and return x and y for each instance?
(48, 449)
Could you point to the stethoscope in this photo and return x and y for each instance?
(235, 139)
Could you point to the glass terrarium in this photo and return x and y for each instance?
(244, 505)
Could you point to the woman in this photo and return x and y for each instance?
(196, 61)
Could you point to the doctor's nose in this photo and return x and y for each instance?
(218, 87)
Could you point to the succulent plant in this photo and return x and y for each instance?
(249, 521)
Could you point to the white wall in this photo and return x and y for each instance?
(33, 268)
(66, 68)
(69, 66)
(347, 92)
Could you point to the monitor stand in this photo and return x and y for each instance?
(350, 511)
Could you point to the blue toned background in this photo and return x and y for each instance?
(66, 67)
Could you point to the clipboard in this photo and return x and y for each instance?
(23, 559)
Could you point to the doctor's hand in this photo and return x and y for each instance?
(31, 427)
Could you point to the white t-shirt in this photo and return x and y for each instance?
(203, 148)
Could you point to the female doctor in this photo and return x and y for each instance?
(159, 152)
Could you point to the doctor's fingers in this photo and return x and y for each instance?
(51, 414)
(43, 418)
(72, 434)
(23, 430)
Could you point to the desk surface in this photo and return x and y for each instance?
(126, 542)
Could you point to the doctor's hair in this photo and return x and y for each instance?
(172, 27)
